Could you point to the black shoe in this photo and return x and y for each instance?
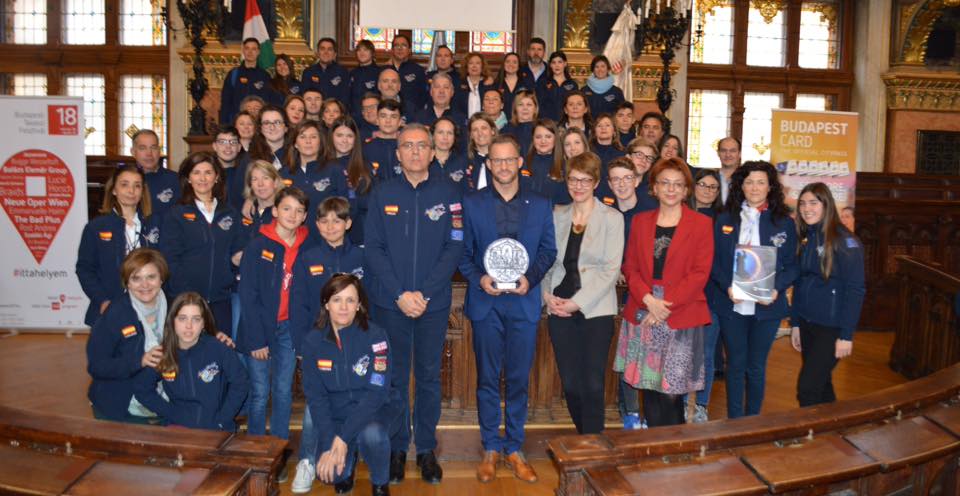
(398, 466)
(383, 490)
(346, 485)
(430, 470)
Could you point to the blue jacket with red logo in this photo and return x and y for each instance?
(550, 95)
(363, 80)
(103, 246)
(114, 354)
(346, 381)
(413, 241)
(601, 103)
(240, 82)
(332, 81)
(381, 154)
(199, 252)
(206, 391)
(312, 270)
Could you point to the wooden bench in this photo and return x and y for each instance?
(222, 455)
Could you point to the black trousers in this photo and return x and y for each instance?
(662, 409)
(581, 347)
(818, 345)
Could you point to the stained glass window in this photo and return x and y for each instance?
(757, 119)
(767, 37)
(380, 37)
(25, 22)
(709, 122)
(715, 44)
(143, 105)
(423, 40)
(141, 23)
(24, 84)
(491, 41)
(812, 101)
(91, 88)
(84, 22)
(819, 38)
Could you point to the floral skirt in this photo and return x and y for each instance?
(660, 358)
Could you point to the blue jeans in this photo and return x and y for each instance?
(421, 340)
(748, 343)
(235, 315)
(373, 443)
(273, 377)
(309, 437)
(711, 333)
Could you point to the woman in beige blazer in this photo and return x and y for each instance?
(580, 292)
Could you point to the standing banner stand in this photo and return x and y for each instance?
(816, 146)
(43, 192)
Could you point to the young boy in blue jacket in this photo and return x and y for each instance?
(266, 272)
(380, 151)
(202, 379)
(314, 267)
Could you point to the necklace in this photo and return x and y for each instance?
(579, 228)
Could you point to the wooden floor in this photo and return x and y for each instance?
(47, 372)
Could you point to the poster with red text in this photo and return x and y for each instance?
(43, 194)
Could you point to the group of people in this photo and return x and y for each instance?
(301, 239)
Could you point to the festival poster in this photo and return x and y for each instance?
(43, 192)
(816, 146)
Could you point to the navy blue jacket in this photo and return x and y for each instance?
(550, 95)
(381, 154)
(626, 138)
(836, 301)
(366, 129)
(250, 227)
(311, 271)
(205, 393)
(261, 278)
(536, 234)
(363, 80)
(454, 169)
(413, 84)
(527, 73)
(235, 180)
(475, 167)
(103, 246)
(523, 132)
(333, 82)
(726, 236)
(346, 388)
(410, 242)
(536, 175)
(114, 352)
(240, 82)
(164, 186)
(600, 103)
(319, 183)
(508, 96)
(427, 116)
(198, 252)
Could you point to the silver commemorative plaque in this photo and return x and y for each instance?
(505, 261)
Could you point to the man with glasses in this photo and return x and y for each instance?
(163, 183)
(245, 79)
(505, 320)
(327, 75)
(413, 78)
(414, 241)
(728, 149)
(226, 146)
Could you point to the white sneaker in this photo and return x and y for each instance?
(303, 481)
(699, 414)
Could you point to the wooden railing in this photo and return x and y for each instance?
(215, 455)
(902, 440)
(927, 336)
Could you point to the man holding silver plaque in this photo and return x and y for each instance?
(509, 245)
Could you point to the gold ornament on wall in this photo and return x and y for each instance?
(576, 31)
(289, 20)
(768, 8)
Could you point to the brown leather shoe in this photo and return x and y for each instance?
(487, 470)
(521, 469)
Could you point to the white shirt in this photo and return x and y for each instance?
(749, 235)
(207, 215)
(474, 103)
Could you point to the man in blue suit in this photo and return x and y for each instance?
(505, 320)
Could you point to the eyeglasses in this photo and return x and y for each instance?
(271, 123)
(622, 180)
(668, 185)
(644, 156)
(496, 162)
(232, 142)
(708, 187)
(419, 146)
(580, 182)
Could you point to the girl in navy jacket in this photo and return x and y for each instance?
(345, 151)
(755, 215)
(605, 142)
(125, 341)
(523, 116)
(307, 167)
(543, 166)
(203, 240)
(346, 381)
(125, 225)
(202, 381)
(363, 78)
(828, 295)
(266, 272)
(602, 95)
(552, 90)
(448, 160)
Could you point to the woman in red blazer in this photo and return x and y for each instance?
(669, 253)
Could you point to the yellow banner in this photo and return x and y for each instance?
(816, 146)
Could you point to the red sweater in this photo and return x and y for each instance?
(289, 257)
(685, 272)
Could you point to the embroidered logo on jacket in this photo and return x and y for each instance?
(153, 237)
(209, 372)
(266, 255)
(106, 235)
(325, 365)
(247, 221)
(727, 229)
(190, 216)
(525, 173)
(380, 348)
(436, 211)
(456, 176)
(358, 272)
(379, 363)
(243, 80)
(258, 85)
(287, 182)
(391, 209)
(316, 270)
(129, 331)
(315, 79)
(165, 196)
(322, 184)
(410, 78)
(609, 201)
(369, 84)
(360, 368)
(336, 81)
(169, 376)
(397, 169)
(779, 239)
(226, 223)
(377, 379)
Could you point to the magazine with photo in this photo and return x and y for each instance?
(754, 273)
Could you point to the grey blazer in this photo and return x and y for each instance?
(601, 253)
